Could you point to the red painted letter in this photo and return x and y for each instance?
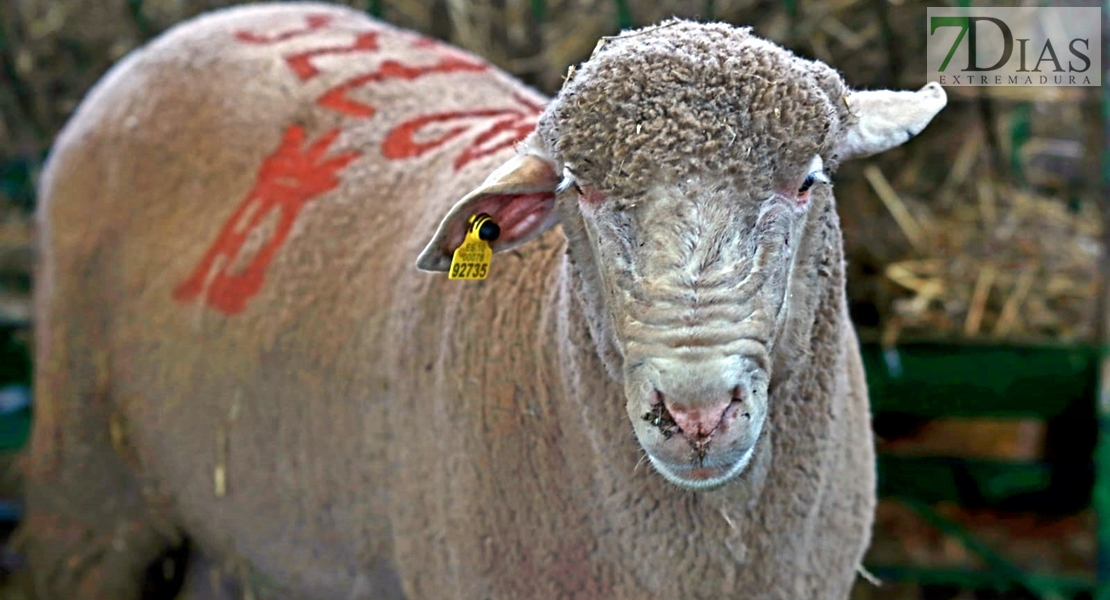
(289, 179)
(301, 63)
(312, 23)
(512, 126)
(337, 99)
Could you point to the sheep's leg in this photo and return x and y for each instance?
(88, 532)
(84, 538)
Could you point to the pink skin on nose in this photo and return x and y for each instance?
(697, 422)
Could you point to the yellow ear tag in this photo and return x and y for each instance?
(471, 259)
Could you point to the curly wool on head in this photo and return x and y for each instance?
(679, 99)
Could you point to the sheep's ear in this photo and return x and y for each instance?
(885, 119)
(519, 196)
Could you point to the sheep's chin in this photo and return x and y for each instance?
(711, 482)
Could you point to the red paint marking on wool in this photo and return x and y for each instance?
(302, 65)
(503, 134)
(401, 142)
(313, 23)
(338, 97)
(420, 41)
(443, 50)
(294, 175)
(338, 100)
(512, 126)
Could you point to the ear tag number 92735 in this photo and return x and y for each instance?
(471, 259)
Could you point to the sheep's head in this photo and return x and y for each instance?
(688, 164)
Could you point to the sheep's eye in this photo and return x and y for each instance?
(811, 179)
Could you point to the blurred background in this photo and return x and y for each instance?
(975, 257)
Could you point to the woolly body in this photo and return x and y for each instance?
(339, 425)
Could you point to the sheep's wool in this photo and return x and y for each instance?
(680, 99)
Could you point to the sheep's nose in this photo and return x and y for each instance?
(698, 421)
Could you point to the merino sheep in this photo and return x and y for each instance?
(234, 346)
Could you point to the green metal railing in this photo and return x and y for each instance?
(932, 380)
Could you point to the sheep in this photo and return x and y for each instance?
(245, 338)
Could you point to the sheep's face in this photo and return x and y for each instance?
(687, 164)
(692, 284)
